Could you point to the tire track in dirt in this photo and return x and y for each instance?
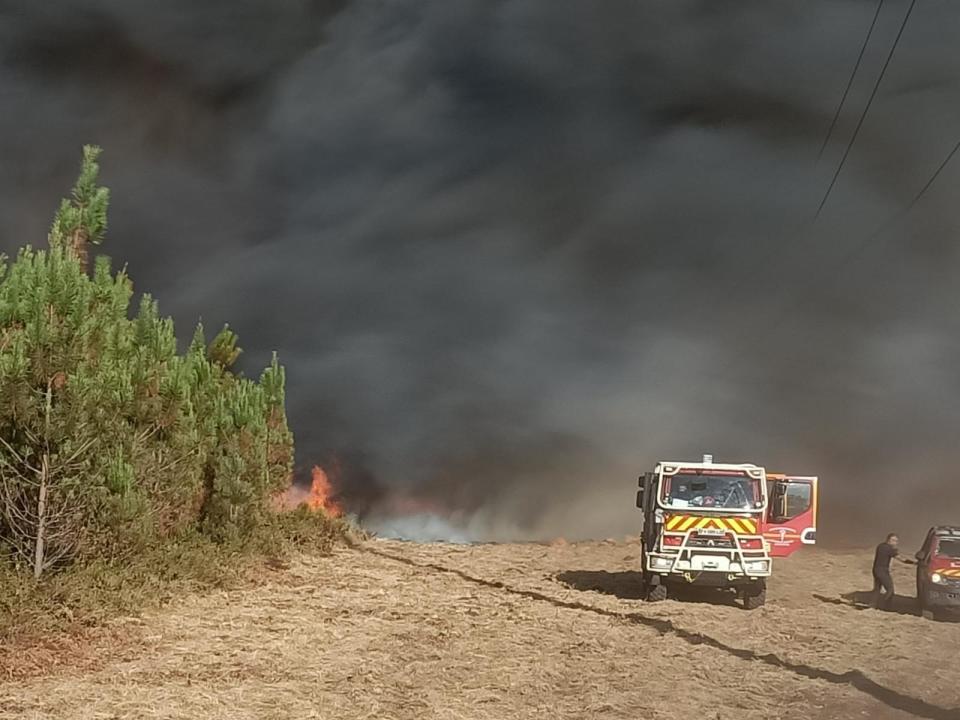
(894, 699)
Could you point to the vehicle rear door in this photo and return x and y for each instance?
(791, 519)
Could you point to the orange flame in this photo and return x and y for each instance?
(320, 496)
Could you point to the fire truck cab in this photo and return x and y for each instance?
(938, 573)
(721, 525)
(703, 525)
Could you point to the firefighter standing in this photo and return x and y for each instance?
(882, 580)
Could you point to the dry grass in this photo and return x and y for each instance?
(84, 650)
(491, 632)
(74, 618)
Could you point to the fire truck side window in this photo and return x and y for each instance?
(799, 499)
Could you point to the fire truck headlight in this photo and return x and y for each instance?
(758, 566)
(937, 578)
(661, 563)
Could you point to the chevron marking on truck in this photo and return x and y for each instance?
(741, 526)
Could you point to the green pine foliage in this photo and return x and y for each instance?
(223, 349)
(82, 219)
(110, 441)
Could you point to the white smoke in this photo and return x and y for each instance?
(423, 527)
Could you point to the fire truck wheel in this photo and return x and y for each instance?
(755, 597)
(656, 593)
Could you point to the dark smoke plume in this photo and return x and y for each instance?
(514, 252)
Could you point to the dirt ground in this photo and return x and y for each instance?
(407, 631)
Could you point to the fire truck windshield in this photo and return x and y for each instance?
(718, 492)
(948, 547)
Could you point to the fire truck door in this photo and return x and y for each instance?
(792, 515)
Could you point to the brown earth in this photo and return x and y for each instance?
(406, 631)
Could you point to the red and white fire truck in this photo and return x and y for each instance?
(721, 525)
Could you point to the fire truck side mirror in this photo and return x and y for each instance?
(645, 483)
(642, 484)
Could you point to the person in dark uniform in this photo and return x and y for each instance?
(882, 580)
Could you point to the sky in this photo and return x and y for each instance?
(514, 253)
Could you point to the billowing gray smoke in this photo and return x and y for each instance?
(512, 253)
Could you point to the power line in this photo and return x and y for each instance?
(808, 224)
(900, 214)
(867, 240)
(866, 109)
(763, 327)
(856, 67)
(933, 178)
(823, 280)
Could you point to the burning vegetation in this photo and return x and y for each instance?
(320, 496)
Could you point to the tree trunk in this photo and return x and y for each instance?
(81, 249)
(39, 554)
(41, 517)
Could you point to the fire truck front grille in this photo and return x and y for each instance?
(710, 542)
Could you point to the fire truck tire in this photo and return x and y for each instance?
(656, 593)
(755, 597)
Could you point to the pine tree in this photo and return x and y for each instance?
(109, 439)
